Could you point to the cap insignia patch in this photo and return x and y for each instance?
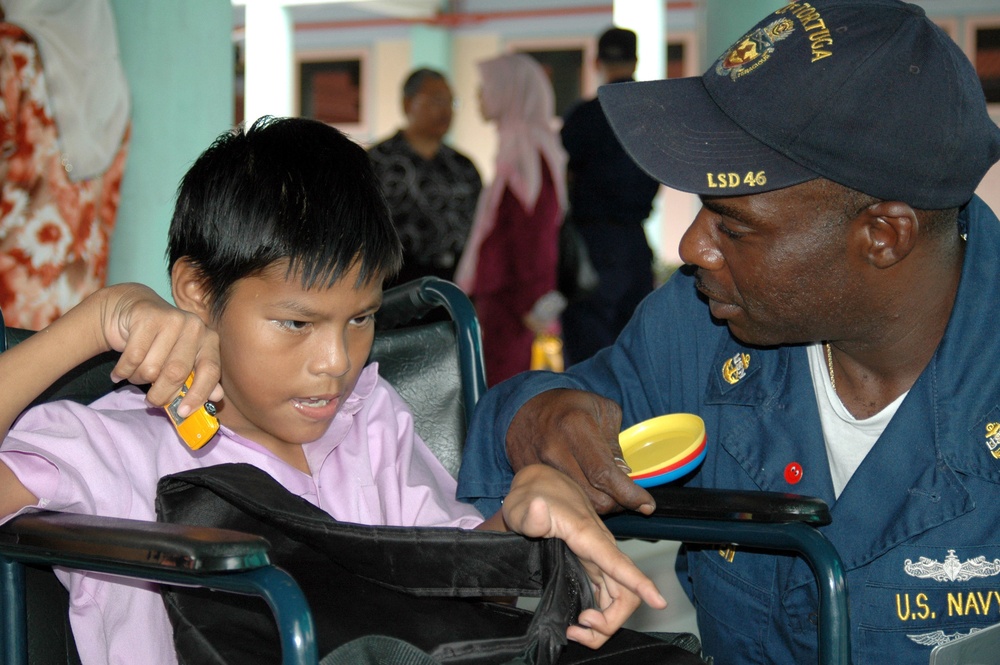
(753, 50)
(735, 368)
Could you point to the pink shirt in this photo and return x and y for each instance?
(105, 459)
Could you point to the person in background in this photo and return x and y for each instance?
(64, 132)
(609, 199)
(509, 264)
(835, 325)
(431, 188)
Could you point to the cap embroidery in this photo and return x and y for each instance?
(753, 50)
(814, 25)
(735, 368)
(993, 439)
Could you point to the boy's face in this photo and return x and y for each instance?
(291, 356)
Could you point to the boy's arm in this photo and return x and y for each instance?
(160, 344)
(545, 503)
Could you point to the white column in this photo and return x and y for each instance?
(269, 60)
(648, 19)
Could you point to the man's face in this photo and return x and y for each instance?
(291, 356)
(775, 266)
(428, 113)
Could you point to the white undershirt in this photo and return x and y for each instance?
(848, 440)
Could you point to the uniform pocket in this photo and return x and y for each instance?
(733, 612)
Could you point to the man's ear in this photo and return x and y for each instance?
(888, 232)
(188, 289)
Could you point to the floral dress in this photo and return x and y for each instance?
(54, 232)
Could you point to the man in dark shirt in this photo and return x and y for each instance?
(609, 199)
(431, 189)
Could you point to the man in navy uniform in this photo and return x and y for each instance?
(835, 326)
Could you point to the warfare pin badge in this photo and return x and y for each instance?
(735, 368)
(993, 439)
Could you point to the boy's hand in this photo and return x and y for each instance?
(544, 503)
(160, 345)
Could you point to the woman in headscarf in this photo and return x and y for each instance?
(509, 264)
(64, 128)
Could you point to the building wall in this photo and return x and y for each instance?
(178, 59)
(487, 28)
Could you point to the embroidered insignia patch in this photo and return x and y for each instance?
(753, 50)
(939, 637)
(993, 439)
(735, 368)
(951, 569)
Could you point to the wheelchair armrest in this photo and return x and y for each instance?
(83, 540)
(766, 520)
(738, 505)
(169, 553)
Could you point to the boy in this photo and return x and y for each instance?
(278, 249)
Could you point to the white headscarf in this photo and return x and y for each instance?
(517, 95)
(83, 74)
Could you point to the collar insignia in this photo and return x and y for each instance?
(735, 368)
(993, 438)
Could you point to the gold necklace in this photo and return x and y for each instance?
(829, 365)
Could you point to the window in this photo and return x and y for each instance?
(986, 58)
(565, 70)
(331, 91)
(682, 55)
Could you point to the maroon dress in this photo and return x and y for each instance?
(516, 267)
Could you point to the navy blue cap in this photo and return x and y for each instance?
(867, 93)
(617, 45)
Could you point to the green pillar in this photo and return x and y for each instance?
(178, 58)
(430, 46)
(726, 21)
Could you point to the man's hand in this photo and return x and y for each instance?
(577, 432)
(544, 503)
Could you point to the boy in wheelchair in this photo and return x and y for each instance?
(278, 249)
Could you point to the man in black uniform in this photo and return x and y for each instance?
(609, 199)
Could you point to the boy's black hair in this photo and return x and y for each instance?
(290, 189)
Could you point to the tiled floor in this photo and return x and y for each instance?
(657, 561)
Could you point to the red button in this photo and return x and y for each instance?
(793, 473)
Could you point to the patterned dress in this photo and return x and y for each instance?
(54, 232)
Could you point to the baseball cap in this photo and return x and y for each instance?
(616, 45)
(867, 93)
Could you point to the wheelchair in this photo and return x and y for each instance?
(438, 369)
